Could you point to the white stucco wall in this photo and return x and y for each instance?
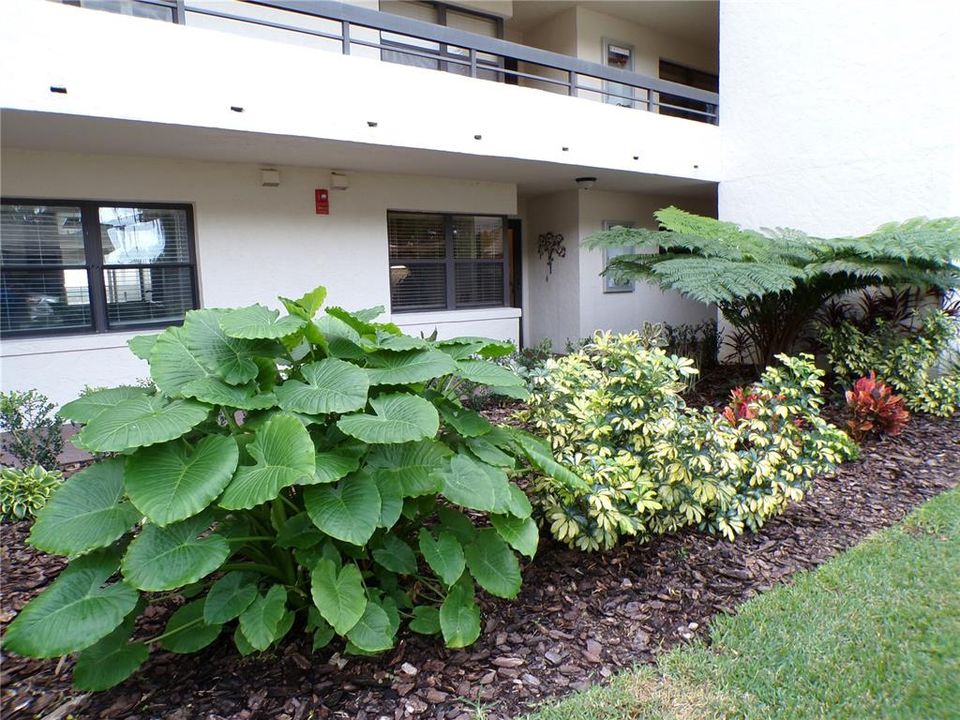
(253, 243)
(839, 116)
(554, 308)
(623, 312)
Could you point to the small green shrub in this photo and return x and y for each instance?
(652, 465)
(288, 470)
(910, 360)
(23, 493)
(32, 431)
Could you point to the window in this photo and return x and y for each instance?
(440, 56)
(446, 262)
(620, 56)
(77, 267)
(692, 78)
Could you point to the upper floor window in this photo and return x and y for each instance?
(446, 262)
(76, 267)
(693, 78)
(408, 50)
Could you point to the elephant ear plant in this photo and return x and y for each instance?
(289, 470)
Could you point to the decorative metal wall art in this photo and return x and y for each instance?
(552, 246)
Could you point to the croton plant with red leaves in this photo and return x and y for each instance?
(875, 408)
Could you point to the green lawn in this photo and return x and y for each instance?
(874, 633)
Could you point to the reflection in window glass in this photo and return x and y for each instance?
(38, 291)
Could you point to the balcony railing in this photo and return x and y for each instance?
(408, 41)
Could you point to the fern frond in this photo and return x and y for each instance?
(714, 280)
(917, 239)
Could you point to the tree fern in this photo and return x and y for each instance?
(768, 283)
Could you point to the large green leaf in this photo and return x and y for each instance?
(75, 612)
(490, 453)
(475, 485)
(85, 513)
(339, 596)
(373, 631)
(139, 422)
(258, 322)
(142, 345)
(111, 660)
(541, 457)
(188, 631)
(173, 364)
(86, 407)
(167, 558)
(228, 597)
(426, 620)
(299, 532)
(444, 555)
(308, 305)
(399, 418)
(393, 368)
(285, 456)
(413, 466)
(493, 564)
(229, 358)
(261, 621)
(173, 481)
(485, 372)
(332, 386)
(217, 392)
(488, 348)
(396, 556)
(521, 533)
(468, 423)
(331, 465)
(348, 511)
(460, 616)
(391, 501)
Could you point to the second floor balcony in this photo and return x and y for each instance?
(369, 86)
(464, 41)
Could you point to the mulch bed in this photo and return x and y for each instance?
(579, 618)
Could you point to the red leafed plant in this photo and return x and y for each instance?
(741, 407)
(875, 407)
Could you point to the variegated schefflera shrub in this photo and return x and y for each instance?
(309, 469)
(651, 465)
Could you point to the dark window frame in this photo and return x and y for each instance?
(674, 105)
(450, 262)
(444, 58)
(95, 265)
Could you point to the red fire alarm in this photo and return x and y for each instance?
(323, 201)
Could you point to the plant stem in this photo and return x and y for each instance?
(255, 567)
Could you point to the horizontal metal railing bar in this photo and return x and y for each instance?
(265, 23)
(375, 20)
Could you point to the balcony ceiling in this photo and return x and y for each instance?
(83, 135)
(696, 21)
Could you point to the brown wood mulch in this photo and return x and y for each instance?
(579, 618)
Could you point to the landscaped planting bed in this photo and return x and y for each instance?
(578, 619)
